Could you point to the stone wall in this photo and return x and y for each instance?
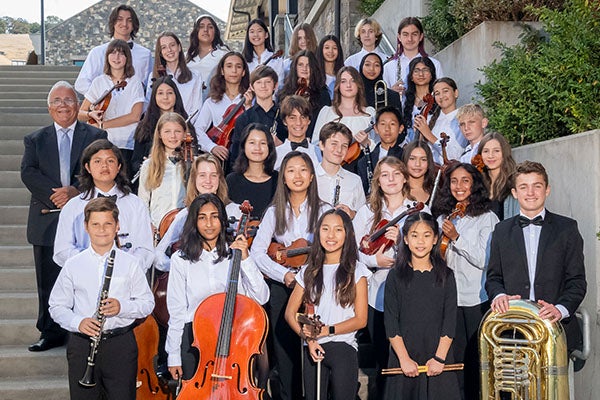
(72, 40)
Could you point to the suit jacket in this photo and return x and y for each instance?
(395, 151)
(40, 172)
(560, 270)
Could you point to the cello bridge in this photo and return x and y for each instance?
(216, 376)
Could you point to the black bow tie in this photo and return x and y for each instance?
(524, 221)
(303, 143)
(130, 44)
(112, 197)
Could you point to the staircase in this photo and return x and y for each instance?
(23, 109)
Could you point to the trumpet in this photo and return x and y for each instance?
(380, 89)
(88, 377)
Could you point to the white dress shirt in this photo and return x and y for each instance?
(205, 67)
(297, 228)
(468, 256)
(286, 147)
(192, 282)
(390, 70)
(134, 223)
(354, 123)
(362, 222)
(94, 66)
(355, 59)
(121, 103)
(170, 194)
(456, 144)
(330, 311)
(349, 185)
(76, 292)
(162, 261)
(191, 91)
(211, 113)
(275, 63)
(469, 153)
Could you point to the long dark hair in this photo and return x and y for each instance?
(145, 129)
(185, 75)
(241, 163)
(345, 288)
(86, 181)
(192, 242)
(360, 100)
(403, 259)
(430, 174)
(194, 48)
(437, 110)
(479, 202)
(499, 189)
(316, 79)
(248, 50)
(403, 24)
(217, 82)
(339, 61)
(282, 196)
(411, 88)
(114, 15)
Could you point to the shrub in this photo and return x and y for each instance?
(368, 7)
(549, 85)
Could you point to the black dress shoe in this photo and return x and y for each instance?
(45, 344)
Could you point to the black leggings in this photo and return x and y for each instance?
(339, 370)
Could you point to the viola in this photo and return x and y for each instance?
(221, 134)
(103, 101)
(148, 385)
(355, 148)
(459, 211)
(293, 256)
(302, 89)
(309, 319)
(275, 55)
(478, 163)
(225, 367)
(441, 168)
(370, 244)
(429, 103)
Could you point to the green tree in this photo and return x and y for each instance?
(52, 21)
(34, 27)
(3, 25)
(19, 25)
(549, 85)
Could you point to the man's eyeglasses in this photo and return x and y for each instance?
(67, 102)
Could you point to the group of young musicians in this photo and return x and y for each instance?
(394, 215)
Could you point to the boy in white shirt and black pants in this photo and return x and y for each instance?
(74, 304)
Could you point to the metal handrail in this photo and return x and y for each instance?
(583, 354)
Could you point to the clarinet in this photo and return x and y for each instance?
(88, 376)
(367, 152)
(336, 192)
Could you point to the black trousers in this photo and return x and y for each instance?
(339, 371)
(381, 346)
(115, 370)
(46, 272)
(466, 348)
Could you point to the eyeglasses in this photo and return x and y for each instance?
(67, 102)
(422, 71)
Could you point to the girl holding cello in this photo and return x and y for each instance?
(463, 211)
(199, 269)
(293, 215)
(390, 197)
(419, 163)
(335, 282)
(227, 87)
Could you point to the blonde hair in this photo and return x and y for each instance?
(192, 190)
(158, 156)
(468, 110)
(374, 24)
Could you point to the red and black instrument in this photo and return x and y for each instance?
(293, 256)
(102, 103)
(459, 211)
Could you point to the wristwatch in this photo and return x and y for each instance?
(331, 330)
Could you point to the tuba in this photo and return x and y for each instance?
(522, 355)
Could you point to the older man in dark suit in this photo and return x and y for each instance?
(538, 255)
(49, 170)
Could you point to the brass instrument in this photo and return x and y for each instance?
(88, 377)
(522, 355)
(380, 89)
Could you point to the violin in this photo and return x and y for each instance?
(478, 163)
(459, 211)
(355, 148)
(429, 103)
(443, 142)
(308, 318)
(221, 134)
(225, 367)
(293, 256)
(370, 244)
(275, 55)
(302, 89)
(148, 385)
(103, 101)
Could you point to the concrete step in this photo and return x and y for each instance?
(14, 196)
(14, 86)
(34, 79)
(36, 120)
(18, 332)
(17, 279)
(10, 163)
(39, 68)
(18, 101)
(65, 75)
(14, 215)
(23, 110)
(15, 132)
(13, 235)
(18, 362)
(24, 95)
(12, 147)
(10, 179)
(35, 388)
(16, 256)
(20, 305)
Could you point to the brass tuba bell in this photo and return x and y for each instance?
(522, 355)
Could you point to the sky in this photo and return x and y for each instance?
(30, 9)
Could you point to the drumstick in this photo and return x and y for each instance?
(49, 210)
(421, 369)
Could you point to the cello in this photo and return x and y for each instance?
(225, 366)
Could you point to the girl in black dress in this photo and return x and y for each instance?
(420, 316)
